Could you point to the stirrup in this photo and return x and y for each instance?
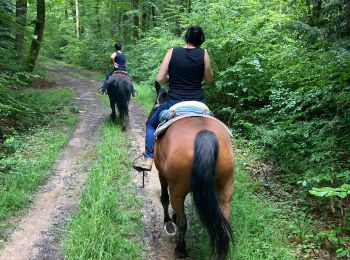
(144, 165)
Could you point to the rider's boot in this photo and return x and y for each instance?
(143, 163)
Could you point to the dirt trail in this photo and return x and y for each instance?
(37, 234)
(159, 245)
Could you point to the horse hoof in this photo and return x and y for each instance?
(170, 228)
(180, 253)
(113, 117)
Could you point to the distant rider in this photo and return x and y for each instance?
(118, 59)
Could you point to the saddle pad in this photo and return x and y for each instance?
(121, 73)
(118, 74)
(189, 103)
(164, 126)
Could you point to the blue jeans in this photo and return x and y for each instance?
(104, 85)
(153, 122)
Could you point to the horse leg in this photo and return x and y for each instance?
(112, 105)
(124, 117)
(225, 193)
(169, 226)
(177, 203)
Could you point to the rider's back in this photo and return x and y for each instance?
(186, 70)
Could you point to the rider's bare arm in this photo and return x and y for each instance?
(163, 76)
(208, 73)
(115, 65)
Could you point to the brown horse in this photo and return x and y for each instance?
(195, 155)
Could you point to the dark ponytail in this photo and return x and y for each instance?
(194, 35)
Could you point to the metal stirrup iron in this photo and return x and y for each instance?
(139, 170)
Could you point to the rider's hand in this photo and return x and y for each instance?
(100, 90)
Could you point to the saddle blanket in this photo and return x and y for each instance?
(119, 73)
(184, 107)
(164, 125)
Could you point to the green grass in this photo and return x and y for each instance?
(146, 96)
(27, 157)
(259, 226)
(98, 75)
(108, 225)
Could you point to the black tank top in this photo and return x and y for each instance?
(120, 59)
(186, 71)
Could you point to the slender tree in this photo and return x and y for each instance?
(77, 19)
(136, 22)
(316, 12)
(38, 34)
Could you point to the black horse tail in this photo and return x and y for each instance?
(123, 97)
(206, 149)
(119, 94)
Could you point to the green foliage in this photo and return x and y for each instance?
(26, 158)
(21, 108)
(7, 28)
(301, 227)
(341, 192)
(335, 244)
(145, 64)
(145, 96)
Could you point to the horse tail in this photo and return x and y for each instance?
(121, 94)
(206, 149)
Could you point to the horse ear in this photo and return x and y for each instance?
(157, 86)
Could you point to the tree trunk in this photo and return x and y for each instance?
(77, 19)
(153, 10)
(98, 21)
(144, 20)
(347, 18)
(136, 23)
(124, 28)
(38, 34)
(316, 12)
(180, 6)
(21, 19)
(153, 15)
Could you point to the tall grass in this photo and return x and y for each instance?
(261, 229)
(108, 225)
(26, 157)
(259, 226)
(146, 96)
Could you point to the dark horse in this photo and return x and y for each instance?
(195, 155)
(118, 90)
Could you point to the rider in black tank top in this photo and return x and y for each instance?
(186, 69)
